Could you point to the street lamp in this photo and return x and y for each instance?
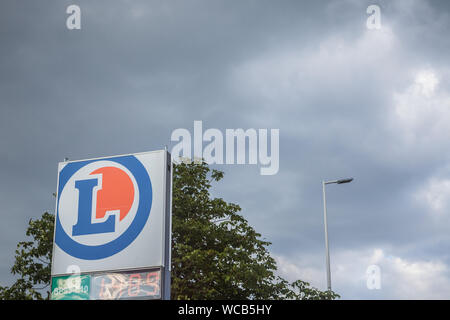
(340, 181)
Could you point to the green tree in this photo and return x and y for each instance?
(216, 254)
(32, 262)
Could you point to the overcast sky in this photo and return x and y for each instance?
(373, 104)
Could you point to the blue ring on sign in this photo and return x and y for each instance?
(86, 252)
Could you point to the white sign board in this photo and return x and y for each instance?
(113, 214)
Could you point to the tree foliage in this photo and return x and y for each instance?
(216, 254)
(32, 262)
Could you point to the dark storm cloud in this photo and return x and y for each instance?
(138, 70)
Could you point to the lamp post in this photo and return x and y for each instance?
(340, 181)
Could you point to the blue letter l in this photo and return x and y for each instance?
(84, 224)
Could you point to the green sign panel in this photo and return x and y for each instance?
(126, 285)
(75, 287)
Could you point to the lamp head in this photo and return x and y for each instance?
(347, 180)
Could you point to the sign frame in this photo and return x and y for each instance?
(166, 232)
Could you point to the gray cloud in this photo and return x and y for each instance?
(138, 70)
